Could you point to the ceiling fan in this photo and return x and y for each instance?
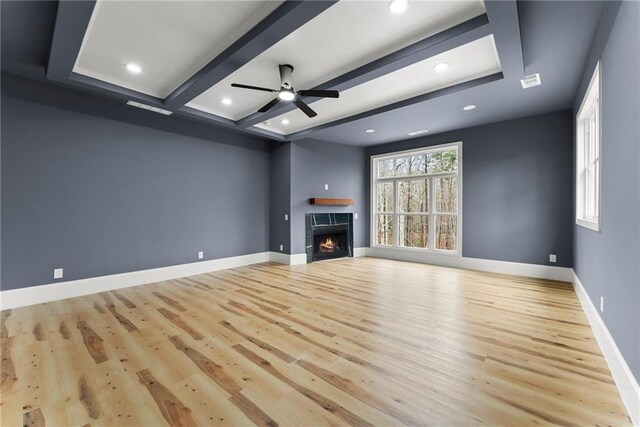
(287, 93)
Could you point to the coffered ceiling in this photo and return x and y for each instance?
(189, 53)
(346, 36)
(476, 59)
(169, 40)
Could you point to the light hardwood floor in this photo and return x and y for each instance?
(353, 342)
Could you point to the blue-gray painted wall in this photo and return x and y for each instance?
(517, 187)
(85, 189)
(342, 167)
(608, 262)
(280, 203)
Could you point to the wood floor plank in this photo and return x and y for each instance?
(172, 409)
(92, 342)
(351, 342)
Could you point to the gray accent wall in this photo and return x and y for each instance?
(85, 189)
(608, 262)
(517, 187)
(280, 203)
(316, 163)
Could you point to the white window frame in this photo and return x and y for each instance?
(432, 212)
(589, 153)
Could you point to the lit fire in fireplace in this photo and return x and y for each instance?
(328, 245)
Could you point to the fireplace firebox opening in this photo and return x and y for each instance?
(329, 236)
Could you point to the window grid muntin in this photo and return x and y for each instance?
(431, 214)
(589, 142)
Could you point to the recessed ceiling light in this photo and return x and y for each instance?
(134, 68)
(418, 132)
(226, 101)
(370, 130)
(398, 6)
(441, 67)
(285, 121)
(469, 107)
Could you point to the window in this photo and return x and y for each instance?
(588, 156)
(416, 199)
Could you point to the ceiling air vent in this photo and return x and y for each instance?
(150, 108)
(531, 81)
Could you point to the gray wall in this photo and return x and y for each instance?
(280, 203)
(608, 262)
(99, 196)
(517, 187)
(316, 163)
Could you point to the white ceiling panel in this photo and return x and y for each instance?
(169, 40)
(470, 61)
(347, 35)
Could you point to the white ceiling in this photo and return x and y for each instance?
(345, 36)
(170, 40)
(467, 62)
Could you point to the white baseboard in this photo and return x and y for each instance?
(492, 266)
(297, 259)
(14, 298)
(358, 252)
(31, 295)
(280, 258)
(622, 375)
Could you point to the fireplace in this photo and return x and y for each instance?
(329, 236)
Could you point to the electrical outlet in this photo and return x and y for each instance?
(601, 304)
(58, 273)
(552, 258)
(355, 216)
(281, 248)
(326, 186)
(200, 255)
(286, 217)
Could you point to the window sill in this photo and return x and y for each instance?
(591, 225)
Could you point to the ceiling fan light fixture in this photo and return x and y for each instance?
(398, 6)
(286, 95)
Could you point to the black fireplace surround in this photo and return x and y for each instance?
(329, 235)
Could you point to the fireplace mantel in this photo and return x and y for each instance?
(330, 202)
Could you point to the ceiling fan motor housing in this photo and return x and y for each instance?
(286, 71)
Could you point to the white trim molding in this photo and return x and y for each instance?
(503, 267)
(358, 252)
(14, 298)
(297, 259)
(622, 375)
(431, 212)
(293, 259)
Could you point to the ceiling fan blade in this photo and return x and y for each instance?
(264, 89)
(270, 105)
(320, 93)
(305, 108)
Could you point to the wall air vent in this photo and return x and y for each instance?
(150, 108)
(531, 81)
(418, 132)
